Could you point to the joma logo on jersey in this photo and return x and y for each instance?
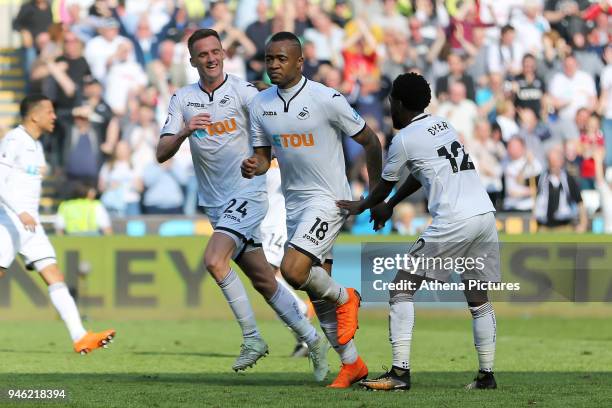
(269, 113)
(295, 140)
(218, 128)
(196, 104)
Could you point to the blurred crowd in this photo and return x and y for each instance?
(527, 84)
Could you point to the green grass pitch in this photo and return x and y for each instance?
(541, 362)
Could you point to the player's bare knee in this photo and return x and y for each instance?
(475, 297)
(2, 272)
(51, 274)
(216, 265)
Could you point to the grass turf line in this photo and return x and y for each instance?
(541, 361)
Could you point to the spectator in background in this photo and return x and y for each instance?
(572, 89)
(102, 50)
(506, 56)
(530, 25)
(476, 51)
(590, 141)
(425, 50)
(456, 73)
(392, 20)
(535, 134)
(143, 140)
(163, 192)
(125, 76)
(520, 171)
(605, 103)
(69, 71)
(490, 94)
(238, 49)
(586, 56)
(146, 42)
(34, 17)
(119, 185)
(164, 73)
(311, 63)
(529, 90)
(82, 214)
(487, 154)
(564, 16)
(558, 205)
(82, 148)
(403, 219)
(259, 32)
(359, 52)
(604, 188)
(460, 111)
(328, 39)
(101, 114)
(506, 119)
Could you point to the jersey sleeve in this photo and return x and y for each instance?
(342, 116)
(258, 134)
(9, 148)
(174, 121)
(395, 161)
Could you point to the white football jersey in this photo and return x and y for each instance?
(23, 165)
(430, 148)
(304, 125)
(219, 150)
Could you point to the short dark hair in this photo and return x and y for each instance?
(29, 102)
(285, 36)
(506, 28)
(201, 34)
(412, 90)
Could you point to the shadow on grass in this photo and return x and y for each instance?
(507, 381)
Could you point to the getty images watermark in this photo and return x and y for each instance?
(512, 272)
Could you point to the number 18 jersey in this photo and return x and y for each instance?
(430, 148)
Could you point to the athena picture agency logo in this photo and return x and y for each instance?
(512, 272)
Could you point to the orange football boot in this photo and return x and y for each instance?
(350, 374)
(347, 316)
(91, 341)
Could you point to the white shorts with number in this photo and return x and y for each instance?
(473, 238)
(240, 219)
(34, 247)
(314, 229)
(273, 239)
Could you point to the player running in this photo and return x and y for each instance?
(213, 115)
(22, 165)
(463, 224)
(304, 121)
(273, 239)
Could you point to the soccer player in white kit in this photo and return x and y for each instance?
(463, 224)
(213, 115)
(304, 122)
(22, 165)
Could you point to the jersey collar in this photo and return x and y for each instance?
(286, 92)
(212, 94)
(419, 117)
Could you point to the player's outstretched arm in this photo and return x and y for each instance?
(258, 163)
(169, 143)
(381, 213)
(373, 151)
(380, 192)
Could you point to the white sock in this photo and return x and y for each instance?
(321, 286)
(401, 325)
(301, 304)
(67, 309)
(484, 327)
(237, 298)
(288, 310)
(326, 312)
